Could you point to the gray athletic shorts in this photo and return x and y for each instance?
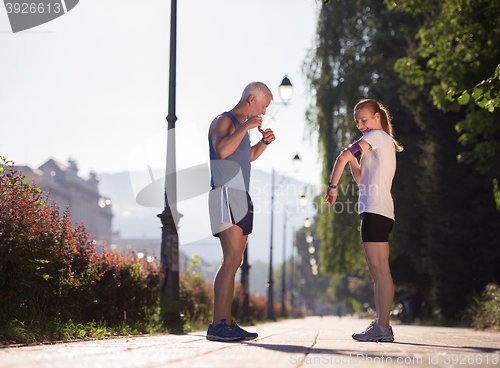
(228, 207)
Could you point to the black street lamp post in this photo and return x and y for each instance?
(283, 274)
(270, 286)
(285, 90)
(292, 287)
(169, 294)
(245, 268)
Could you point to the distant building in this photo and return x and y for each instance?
(82, 196)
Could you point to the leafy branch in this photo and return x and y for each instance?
(486, 94)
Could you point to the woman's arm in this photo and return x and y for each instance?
(355, 169)
(338, 168)
(353, 162)
(345, 156)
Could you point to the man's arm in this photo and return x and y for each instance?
(225, 138)
(258, 148)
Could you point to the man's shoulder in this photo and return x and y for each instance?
(220, 119)
(221, 122)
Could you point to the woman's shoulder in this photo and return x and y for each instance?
(378, 131)
(377, 138)
(379, 134)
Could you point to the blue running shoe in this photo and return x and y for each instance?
(375, 333)
(224, 332)
(247, 335)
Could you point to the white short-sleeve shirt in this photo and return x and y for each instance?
(378, 166)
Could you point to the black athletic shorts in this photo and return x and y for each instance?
(229, 206)
(375, 228)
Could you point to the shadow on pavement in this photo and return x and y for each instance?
(299, 349)
(462, 347)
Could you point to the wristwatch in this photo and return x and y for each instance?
(264, 141)
(333, 186)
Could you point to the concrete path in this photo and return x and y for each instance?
(310, 342)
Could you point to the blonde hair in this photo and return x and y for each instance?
(385, 118)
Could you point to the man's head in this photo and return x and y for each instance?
(258, 96)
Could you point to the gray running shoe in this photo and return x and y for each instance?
(375, 333)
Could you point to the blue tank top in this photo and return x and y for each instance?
(234, 170)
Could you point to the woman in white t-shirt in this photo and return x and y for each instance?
(374, 175)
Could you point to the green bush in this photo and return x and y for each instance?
(50, 270)
(196, 296)
(487, 312)
(257, 305)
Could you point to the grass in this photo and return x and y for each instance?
(17, 332)
(486, 312)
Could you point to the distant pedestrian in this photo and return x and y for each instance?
(230, 205)
(374, 174)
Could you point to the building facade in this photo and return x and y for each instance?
(80, 195)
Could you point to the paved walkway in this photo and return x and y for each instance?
(309, 342)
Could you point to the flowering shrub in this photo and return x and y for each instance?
(257, 304)
(50, 270)
(196, 295)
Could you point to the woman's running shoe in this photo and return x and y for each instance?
(375, 333)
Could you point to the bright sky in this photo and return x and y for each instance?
(93, 84)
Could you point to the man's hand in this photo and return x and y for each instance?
(267, 135)
(253, 122)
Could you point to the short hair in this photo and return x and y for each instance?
(257, 89)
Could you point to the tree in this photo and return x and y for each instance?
(310, 286)
(436, 243)
(459, 46)
(356, 48)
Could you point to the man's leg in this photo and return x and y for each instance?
(233, 244)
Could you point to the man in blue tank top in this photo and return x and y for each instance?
(231, 209)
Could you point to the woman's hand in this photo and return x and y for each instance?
(331, 195)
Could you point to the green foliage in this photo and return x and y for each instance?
(310, 286)
(496, 193)
(486, 94)
(486, 314)
(338, 228)
(340, 70)
(458, 46)
(196, 295)
(355, 290)
(50, 270)
(364, 49)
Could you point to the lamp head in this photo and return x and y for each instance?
(286, 90)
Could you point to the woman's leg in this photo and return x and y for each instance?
(375, 294)
(377, 259)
